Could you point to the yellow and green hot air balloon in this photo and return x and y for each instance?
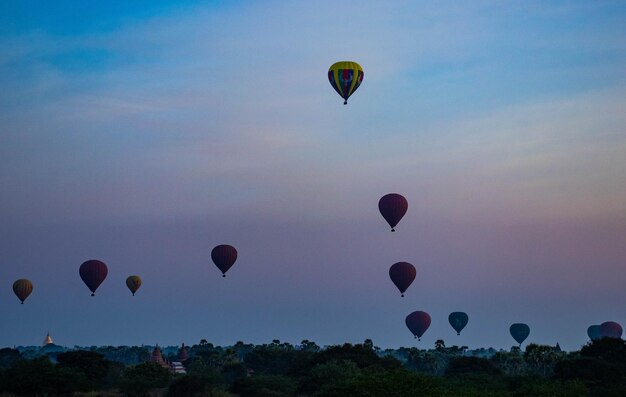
(133, 283)
(345, 77)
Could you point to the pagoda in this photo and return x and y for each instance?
(183, 353)
(157, 357)
(47, 341)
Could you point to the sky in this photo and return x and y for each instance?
(145, 133)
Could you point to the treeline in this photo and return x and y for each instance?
(283, 370)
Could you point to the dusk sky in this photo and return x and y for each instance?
(145, 133)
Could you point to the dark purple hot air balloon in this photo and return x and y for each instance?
(392, 207)
(418, 322)
(593, 332)
(519, 332)
(93, 272)
(402, 274)
(610, 329)
(224, 256)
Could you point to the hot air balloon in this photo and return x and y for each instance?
(93, 272)
(22, 288)
(610, 329)
(392, 207)
(133, 283)
(519, 332)
(345, 77)
(402, 274)
(224, 256)
(458, 321)
(594, 332)
(418, 322)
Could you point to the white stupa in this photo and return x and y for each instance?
(48, 340)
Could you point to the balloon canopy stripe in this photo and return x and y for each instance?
(345, 78)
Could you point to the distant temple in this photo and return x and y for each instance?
(48, 340)
(183, 353)
(175, 367)
(157, 357)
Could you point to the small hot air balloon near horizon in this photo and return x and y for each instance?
(519, 332)
(418, 322)
(345, 77)
(22, 289)
(402, 274)
(593, 332)
(93, 272)
(224, 256)
(392, 207)
(458, 321)
(610, 329)
(133, 283)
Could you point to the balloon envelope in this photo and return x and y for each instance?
(133, 283)
(519, 332)
(345, 77)
(224, 256)
(458, 321)
(418, 322)
(594, 332)
(610, 329)
(392, 207)
(402, 274)
(93, 272)
(22, 288)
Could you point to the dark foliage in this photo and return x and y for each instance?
(471, 365)
(186, 386)
(40, 376)
(8, 357)
(601, 365)
(265, 386)
(282, 370)
(93, 366)
(362, 355)
(137, 381)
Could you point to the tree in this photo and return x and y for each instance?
(329, 375)
(440, 345)
(188, 385)
(8, 357)
(375, 382)
(40, 376)
(362, 355)
(601, 365)
(512, 364)
(471, 365)
(137, 381)
(265, 386)
(307, 345)
(541, 358)
(93, 365)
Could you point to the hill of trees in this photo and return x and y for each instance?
(284, 370)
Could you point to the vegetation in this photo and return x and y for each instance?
(284, 370)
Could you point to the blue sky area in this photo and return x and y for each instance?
(145, 133)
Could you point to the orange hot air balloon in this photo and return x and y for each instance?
(22, 289)
(133, 283)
